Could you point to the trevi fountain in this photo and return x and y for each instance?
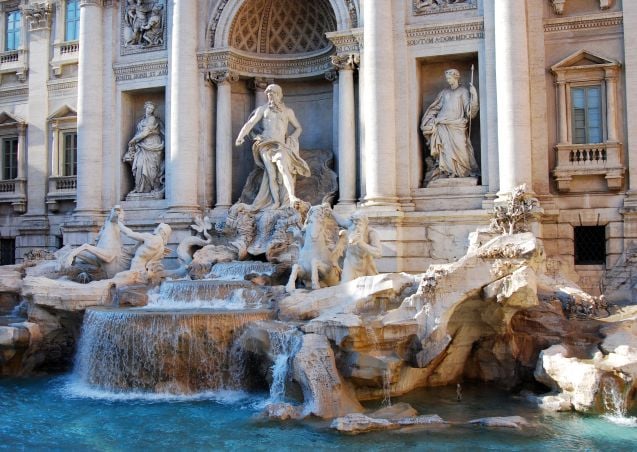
(269, 323)
(275, 327)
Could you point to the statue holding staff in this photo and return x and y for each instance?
(446, 127)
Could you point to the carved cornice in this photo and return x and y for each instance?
(14, 92)
(421, 7)
(92, 3)
(344, 42)
(251, 66)
(38, 15)
(346, 62)
(62, 88)
(587, 22)
(220, 77)
(456, 31)
(148, 69)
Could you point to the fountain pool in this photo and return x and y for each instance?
(59, 413)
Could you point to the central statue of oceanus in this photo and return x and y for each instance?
(275, 151)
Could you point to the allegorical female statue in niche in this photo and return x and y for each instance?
(446, 127)
(146, 154)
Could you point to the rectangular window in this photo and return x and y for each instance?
(590, 245)
(587, 114)
(10, 158)
(70, 154)
(7, 251)
(13, 25)
(72, 20)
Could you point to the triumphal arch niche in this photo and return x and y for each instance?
(296, 44)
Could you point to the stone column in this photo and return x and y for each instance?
(611, 104)
(22, 155)
(90, 110)
(225, 142)
(346, 65)
(260, 84)
(630, 71)
(512, 77)
(561, 110)
(183, 157)
(380, 105)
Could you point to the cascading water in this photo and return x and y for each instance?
(160, 351)
(237, 270)
(615, 395)
(210, 294)
(283, 345)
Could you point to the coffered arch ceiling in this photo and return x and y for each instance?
(282, 27)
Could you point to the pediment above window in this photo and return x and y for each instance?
(583, 59)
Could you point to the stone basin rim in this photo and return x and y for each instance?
(194, 311)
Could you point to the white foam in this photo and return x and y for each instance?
(75, 389)
(622, 420)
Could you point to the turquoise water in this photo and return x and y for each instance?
(53, 413)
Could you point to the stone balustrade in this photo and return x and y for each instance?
(64, 53)
(14, 62)
(574, 160)
(61, 188)
(14, 192)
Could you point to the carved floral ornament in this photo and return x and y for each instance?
(558, 5)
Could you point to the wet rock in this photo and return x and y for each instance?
(395, 411)
(133, 296)
(325, 393)
(356, 423)
(505, 422)
(283, 411)
(10, 279)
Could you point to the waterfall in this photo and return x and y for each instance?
(237, 270)
(283, 346)
(615, 393)
(211, 294)
(160, 351)
(386, 388)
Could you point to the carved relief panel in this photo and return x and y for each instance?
(143, 26)
(442, 6)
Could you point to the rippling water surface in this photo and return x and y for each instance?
(56, 413)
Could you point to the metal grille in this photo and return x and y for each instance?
(590, 245)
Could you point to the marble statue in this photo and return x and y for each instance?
(322, 248)
(446, 126)
(363, 246)
(146, 154)
(151, 250)
(107, 255)
(144, 23)
(275, 151)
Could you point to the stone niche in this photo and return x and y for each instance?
(132, 111)
(432, 80)
(312, 102)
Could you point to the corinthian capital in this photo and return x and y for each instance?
(346, 61)
(220, 77)
(38, 15)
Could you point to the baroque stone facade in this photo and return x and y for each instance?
(555, 103)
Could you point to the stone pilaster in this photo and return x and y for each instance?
(630, 70)
(90, 107)
(182, 158)
(225, 142)
(380, 105)
(346, 64)
(512, 78)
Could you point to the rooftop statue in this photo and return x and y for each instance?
(446, 126)
(275, 151)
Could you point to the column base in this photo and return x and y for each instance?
(387, 203)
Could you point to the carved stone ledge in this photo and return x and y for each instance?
(590, 21)
(456, 31)
(344, 42)
(147, 69)
(248, 65)
(38, 15)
